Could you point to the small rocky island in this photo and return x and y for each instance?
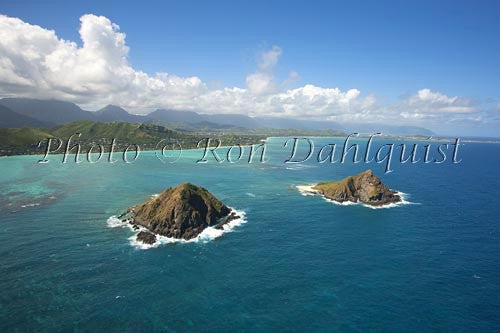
(181, 212)
(364, 187)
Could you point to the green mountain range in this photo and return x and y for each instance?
(21, 112)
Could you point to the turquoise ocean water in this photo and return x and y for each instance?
(299, 263)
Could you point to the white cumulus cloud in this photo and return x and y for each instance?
(262, 81)
(35, 62)
(427, 101)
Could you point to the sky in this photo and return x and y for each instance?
(434, 64)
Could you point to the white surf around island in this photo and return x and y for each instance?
(308, 190)
(403, 202)
(208, 234)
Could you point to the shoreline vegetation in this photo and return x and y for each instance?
(89, 139)
(96, 136)
(26, 122)
(149, 137)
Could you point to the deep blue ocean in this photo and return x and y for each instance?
(299, 263)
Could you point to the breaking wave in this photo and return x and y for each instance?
(403, 201)
(114, 222)
(307, 190)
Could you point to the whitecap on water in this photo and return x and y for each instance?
(34, 204)
(299, 166)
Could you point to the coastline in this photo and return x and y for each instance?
(397, 138)
(117, 151)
